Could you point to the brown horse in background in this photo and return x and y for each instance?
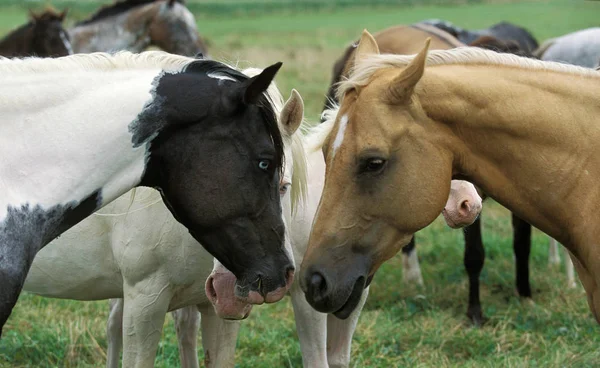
(407, 40)
(135, 25)
(400, 40)
(42, 36)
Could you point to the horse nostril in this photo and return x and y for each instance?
(318, 285)
(465, 206)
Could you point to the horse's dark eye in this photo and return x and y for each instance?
(264, 164)
(284, 188)
(374, 165)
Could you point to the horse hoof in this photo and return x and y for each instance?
(528, 302)
(476, 317)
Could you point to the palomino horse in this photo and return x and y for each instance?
(201, 132)
(134, 25)
(503, 31)
(578, 48)
(136, 250)
(63, 268)
(474, 256)
(43, 36)
(522, 130)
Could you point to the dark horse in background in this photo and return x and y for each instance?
(135, 25)
(503, 31)
(406, 40)
(42, 36)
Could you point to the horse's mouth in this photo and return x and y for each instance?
(353, 299)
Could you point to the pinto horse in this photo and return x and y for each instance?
(202, 133)
(135, 249)
(43, 36)
(409, 39)
(134, 25)
(407, 125)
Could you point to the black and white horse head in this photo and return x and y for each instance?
(80, 131)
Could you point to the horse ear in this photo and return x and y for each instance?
(366, 46)
(255, 86)
(402, 87)
(62, 15)
(171, 3)
(292, 113)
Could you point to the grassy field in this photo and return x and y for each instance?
(401, 325)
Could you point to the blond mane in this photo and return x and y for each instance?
(365, 68)
(317, 135)
(96, 61)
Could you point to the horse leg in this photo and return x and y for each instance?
(553, 256)
(146, 305)
(590, 284)
(312, 330)
(219, 338)
(411, 271)
(187, 322)
(114, 333)
(474, 259)
(15, 262)
(339, 335)
(522, 248)
(571, 283)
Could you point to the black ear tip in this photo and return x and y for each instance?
(275, 67)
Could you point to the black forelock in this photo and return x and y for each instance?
(264, 103)
(117, 8)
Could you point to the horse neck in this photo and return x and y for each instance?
(18, 42)
(126, 31)
(69, 145)
(528, 138)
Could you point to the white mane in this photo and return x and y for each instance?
(317, 135)
(365, 68)
(97, 61)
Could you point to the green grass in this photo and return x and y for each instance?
(401, 325)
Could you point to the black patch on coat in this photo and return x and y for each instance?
(189, 96)
(24, 231)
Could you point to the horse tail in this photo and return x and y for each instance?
(540, 51)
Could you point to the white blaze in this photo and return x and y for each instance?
(339, 138)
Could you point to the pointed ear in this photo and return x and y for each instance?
(255, 86)
(292, 113)
(366, 46)
(62, 15)
(402, 87)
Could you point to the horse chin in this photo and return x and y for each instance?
(353, 299)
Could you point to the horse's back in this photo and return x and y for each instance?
(510, 32)
(579, 48)
(408, 40)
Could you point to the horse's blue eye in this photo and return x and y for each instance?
(264, 164)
